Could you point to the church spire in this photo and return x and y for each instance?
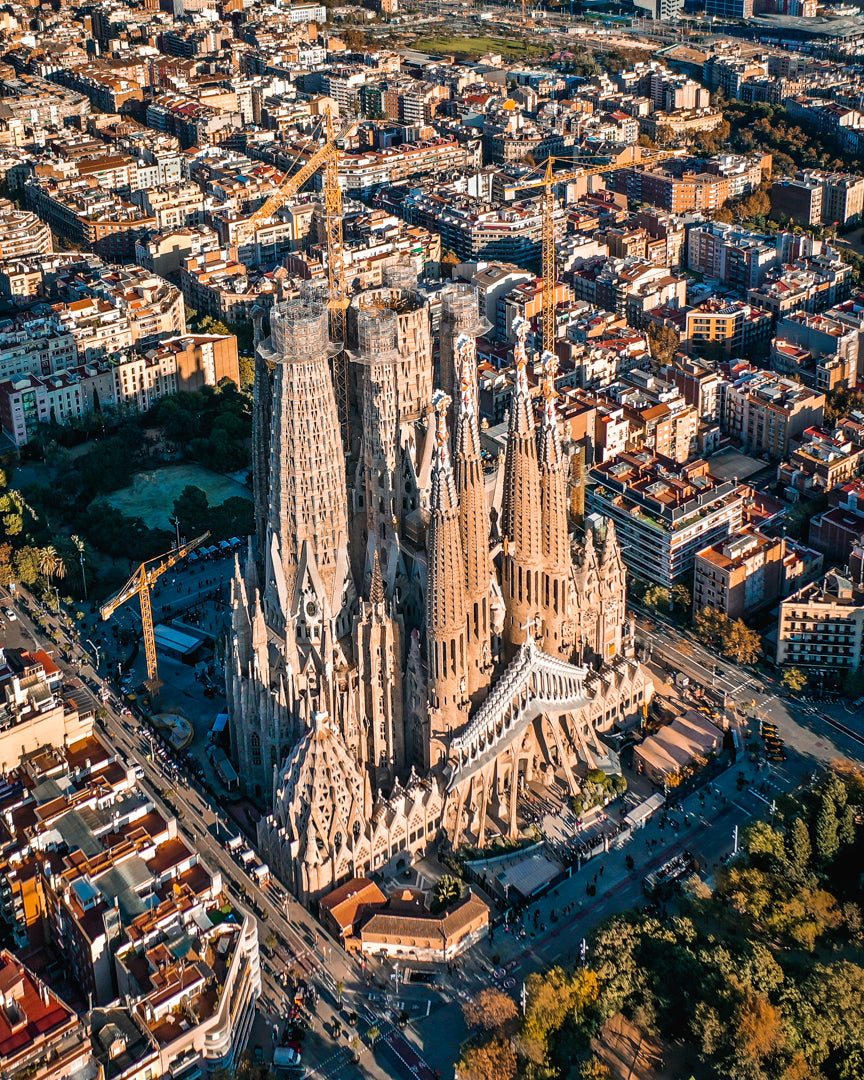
(523, 554)
(553, 485)
(473, 517)
(376, 589)
(445, 606)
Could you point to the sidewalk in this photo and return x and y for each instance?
(550, 931)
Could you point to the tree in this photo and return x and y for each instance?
(192, 510)
(759, 1027)
(594, 1069)
(681, 596)
(663, 342)
(656, 597)
(247, 372)
(25, 564)
(448, 889)
(847, 829)
(761, 839)
(710, 625)
(494, 1058)
(798, 842)
(12, 510)
(80, 547)
(795, 679)
(491, 1010)
(742, 643)
(5, 563)
(48, 563)
(825, 837)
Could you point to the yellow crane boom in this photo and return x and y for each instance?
(292, 184)
(139, 585)
(548, 181)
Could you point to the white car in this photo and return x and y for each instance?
(10, 614)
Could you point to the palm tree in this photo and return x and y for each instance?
(78, 544)
(48, 561)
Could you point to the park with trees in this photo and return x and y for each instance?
(61, 533)
(757, 976)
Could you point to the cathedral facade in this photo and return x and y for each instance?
(417, 635)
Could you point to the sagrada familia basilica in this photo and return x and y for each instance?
(417, 633)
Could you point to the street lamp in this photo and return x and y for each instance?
(95, 649)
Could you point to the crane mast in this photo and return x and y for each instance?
(139, 585)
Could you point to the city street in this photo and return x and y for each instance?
(299, 937)
(815, 735)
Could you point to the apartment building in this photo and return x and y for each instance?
(821, 627)
(108, 89)
(22, 234)
(676, 194)
(741, 574)
(822, 352)
(630, 287)
(164, 252)
(173, 206)
(839, 528)
(843, 198)
(664, 512)
(810, 284)
(764, 412)
(700, 385)
(820, 460)
(41, 1037)
(102, 875)
(35, 346)
(798, 200)
(36, 101)
(725, 327)
(200, 359)
(90, 218)
(730, 254)
(214, 283)
(525, 301)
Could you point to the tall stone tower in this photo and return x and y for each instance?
(391, 346)
(445, 602)
(473, 520)
(307, 511)
(523, 548)
(262, 394)
(460, 317)
(556, 584)
(379, 679)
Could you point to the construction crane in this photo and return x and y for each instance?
(328, 156)
(139, 585)
(338, 291)
(548, 181)
(291, 184)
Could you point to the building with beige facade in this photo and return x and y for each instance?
(35, 712)
(764, 412)
(21, 233)
(739, 575)
(821, 627)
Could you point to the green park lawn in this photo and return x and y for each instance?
(151, 495)
(509, 48)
